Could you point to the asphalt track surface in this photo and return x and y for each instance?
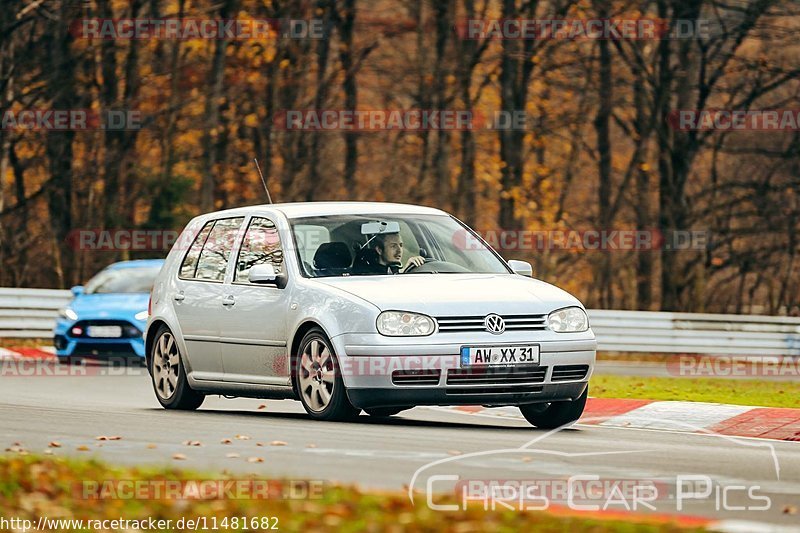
(387, 453)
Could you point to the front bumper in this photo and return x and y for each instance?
(406, 397)
(95, 347)
(371, 364)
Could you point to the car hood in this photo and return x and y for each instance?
(109, 305)
(456, 294)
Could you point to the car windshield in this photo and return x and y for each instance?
(363, 245)
(123, 280)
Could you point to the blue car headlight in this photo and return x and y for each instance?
(69, 314)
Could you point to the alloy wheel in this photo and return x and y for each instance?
(166, 365)
(317, 375)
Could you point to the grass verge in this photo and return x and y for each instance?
(32, 486)
(762, 393)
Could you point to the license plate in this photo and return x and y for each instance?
(500, 355)
(104, 331)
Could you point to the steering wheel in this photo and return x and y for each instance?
(435, 266)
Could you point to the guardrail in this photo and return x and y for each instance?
(31, 313)
(663, 332)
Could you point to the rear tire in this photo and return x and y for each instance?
(555, 414)
(319, 379)
(169, 376)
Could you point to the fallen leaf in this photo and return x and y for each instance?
(192, 443)
(226, 441)
(83, 448)
(115, 437)
(232, 455)
(242, 437)
(527, 459)
(179, 457)
(262, 406)
(277, 443)
(311, 446)
(789, 509)
(255, 459)
(152, 446)
(55, 444)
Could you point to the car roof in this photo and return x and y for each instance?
(137, 263)
(310, 209)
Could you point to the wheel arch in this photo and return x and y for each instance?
(294, 347)
(152, 329)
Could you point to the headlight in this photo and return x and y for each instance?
(141, 316)
(568, 320)
(400, 324)
(66, 312)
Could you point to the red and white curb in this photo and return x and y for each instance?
(42, 352)
(688, 417)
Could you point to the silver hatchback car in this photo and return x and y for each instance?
(349, 306)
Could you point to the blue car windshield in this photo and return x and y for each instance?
(123, 280)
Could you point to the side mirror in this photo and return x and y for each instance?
(523, 268)
(77, 290)
(265, 274)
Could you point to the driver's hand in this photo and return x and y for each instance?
(415, 261)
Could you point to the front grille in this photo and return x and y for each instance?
(449, 324)
(496, 375)
(102, 348)
(416, 377)
(476, 391)
(129, 331)
(569, 372)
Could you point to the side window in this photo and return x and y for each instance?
(189, 265)
(214, 257)
(261, 244)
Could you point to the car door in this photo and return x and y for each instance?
(198, 298)
(253, 326)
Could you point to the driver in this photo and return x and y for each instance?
(387, 257)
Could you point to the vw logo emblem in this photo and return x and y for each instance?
(494, 324)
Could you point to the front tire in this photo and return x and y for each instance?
(319, 379)
(169, 376)
(555, 414)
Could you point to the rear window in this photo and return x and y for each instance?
(189, 265)
(216, 251)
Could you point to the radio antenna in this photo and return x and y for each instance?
(262, 180)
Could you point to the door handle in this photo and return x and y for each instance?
(228, 300)
(179, 296)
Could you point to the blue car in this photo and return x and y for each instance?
(106, 317)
